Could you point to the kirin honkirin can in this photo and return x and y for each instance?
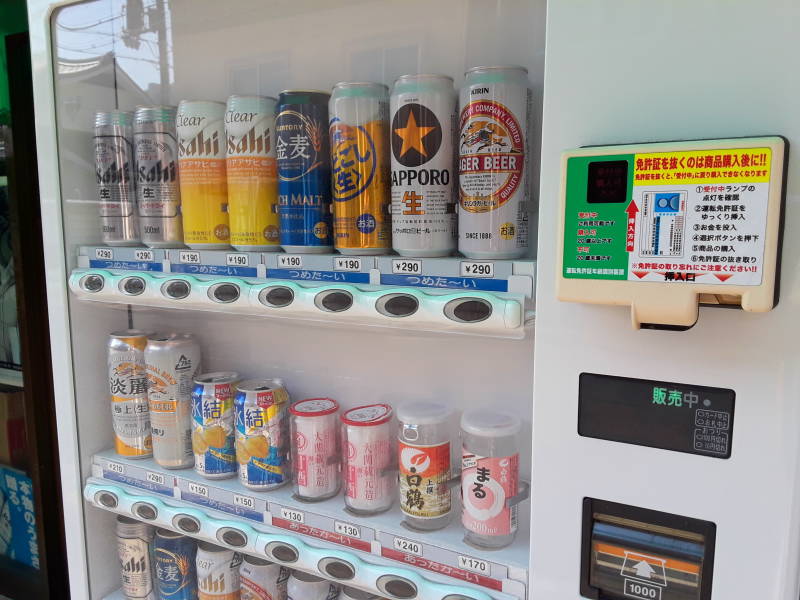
(174, 556)
(213, 423)
(127, 382)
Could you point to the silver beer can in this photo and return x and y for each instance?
(134, 541)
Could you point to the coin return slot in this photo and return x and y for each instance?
(145, 511)
(106, 499)
(176, 289)
(282, 552)
(92, 283)
(186, 523)
(232, 537)
(132, 286)
(336, 568)
(224, 293)
(397, 305)
(397, 587)
(334, 300)
(276, 297)
(468, 310)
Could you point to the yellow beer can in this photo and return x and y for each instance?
(127, 383)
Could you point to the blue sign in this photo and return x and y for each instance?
(437, 281)
(323, 276)
(215, 270)
(126, 265)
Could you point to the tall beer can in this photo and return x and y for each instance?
(173, 361)
(423, 109)
(213, 425)
(493, 163)
(134, 541)
(262, 580)
(157, 193)
(116, 186)
(174, 556)
(252, 173)
(304, 171)
(201, 165)
(217, 573)
(127, 382)
(303, 586)
(359, 126)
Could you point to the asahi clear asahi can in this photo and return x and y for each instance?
(157, 192)
(127, 383)
(217, 573)
(116, 187)
(134, 541)
(423, 114)
(493, 163)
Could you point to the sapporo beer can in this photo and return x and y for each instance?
(493, 163)
(423, 109)
(201, 166)
(134, 542)
(116, 185)
(174, 556)
(359, 126)
(173, 361)
(213, 425)
(262, 580)
(304, 171)
(217, 573)
(262, 433)
(157, 191)
(252, 173)
(304, 586)
(127, 382)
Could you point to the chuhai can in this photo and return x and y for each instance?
(201, 166)
(173, 361)
(127, 382)
(360, 168)
(174, 556)
(304, 171)
(493, 163)
(262, 580)
(213, 425)
(423, 109)
(217, 573)
(134, 541)
(262, 433)
(252, 173)
(116, 185)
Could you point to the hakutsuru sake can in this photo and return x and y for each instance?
(116, 184)
(201, 166)
(316, 458)
(134, 540)
(262, 580)
(217, 573)
(174, 556)
(173, 361)
(302, 586)
(262, 433)
(213, 423)
(370, 474)
(359, 115)
(493, 163)
(252, 173)
(304, 171)
(423, 109)
(157, 191)
(127, 382)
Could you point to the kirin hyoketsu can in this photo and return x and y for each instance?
(213, 424)
(217, 573)
(174, 556)
(134, 540)
(127, 383)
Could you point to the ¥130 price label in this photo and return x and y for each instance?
(406, 266)
(290, 514)
(476, 268)
(347, 529)
(346, 263)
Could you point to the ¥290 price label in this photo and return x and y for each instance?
(156, 478)
(407, 546)
(405, 266)
(474, 268)
(346, 263)
(104, 254)
(144, 255)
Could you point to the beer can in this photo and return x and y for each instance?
(304, 171)
(493, 163)
(213, 425)
(116, 185)
(127, 382)
(173, 361)
(217, 573)
(423, 109)
(252, 173)
(134, 541)
(174, 556)
(316, 458)
(359, 126)
(201, 167)
(303, 586)
(157, 193)
(262, 580)
(262, 433)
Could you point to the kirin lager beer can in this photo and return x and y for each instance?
(252, 173)
(423, 109)
(127, 382)
(134, 540)
(493, 163)
(303, 586)
(360, 168)
(213, 425)
(262, 580)
(316, 454)
(304, 171)
(174, 556)
(116, 185)
(173, 361)
(157, 191)
(201, 166)
(217, 573)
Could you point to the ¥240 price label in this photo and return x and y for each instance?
(476, 268)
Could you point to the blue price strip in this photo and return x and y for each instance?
(126, 265)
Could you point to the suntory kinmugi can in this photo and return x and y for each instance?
(213, 425)
(127, 382)
(174, 556)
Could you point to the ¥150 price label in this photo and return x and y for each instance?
(198, 489)
(346, 263)
(244, 501)
(406, 266)
(477, 268)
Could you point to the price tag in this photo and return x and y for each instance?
(406, 266)
(475, 565)
(157, 478)
(346, 529)
(236, 260)
(198, 488)
(116, 467)
(291, 514)
(190, 258)
(471, 268)
(346, 263)
(290, 261)
(407, 546)
(244, 501)
(104, 253)
(144, 255)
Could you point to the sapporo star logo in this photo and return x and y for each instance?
(416, 135)
(412, 135)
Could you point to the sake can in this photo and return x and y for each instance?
(217, 573)
(316, 457)
(174, 556)
(213, 423)
(134, 542)
(262, 580)
(303, 586)
(127, 382)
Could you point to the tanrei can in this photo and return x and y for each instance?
(493, 163)
(252, 173)
(157, 191)
(217, 573)
(423, 109)
(360, 168)
(262, 433)
(262, 580)
(201, 166)
(127, 382)
(134, 540)
(116, 185)
(213, 425)
(173, 361)
(174, 556)
(304, 171)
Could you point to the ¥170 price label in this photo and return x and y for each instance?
(476, 565)
(477, 268)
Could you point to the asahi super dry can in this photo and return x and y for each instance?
(174, 556)
(213, 425)
(127, 382)
(217, 573)
(134, 540)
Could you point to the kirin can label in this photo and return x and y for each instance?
(424, 480)
(174, 556)
(136, 567)
(127, 382)
(217, 573)
(262, 580)
(213, 425)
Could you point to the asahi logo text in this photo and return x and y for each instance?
(250, 143)
(157, 173)
(200, 145)
(114, 174)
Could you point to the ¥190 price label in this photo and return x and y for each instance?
(237, 260)
(407, 546)
(475, 268)
(189, 258)
(290, 261)
(144, 255)
(406, 266)
(346, 263)
(347, 529)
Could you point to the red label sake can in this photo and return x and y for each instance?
(316, 458)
